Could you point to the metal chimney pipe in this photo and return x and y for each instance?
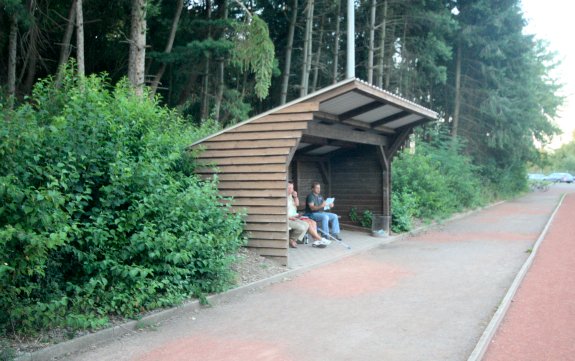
(350, 66)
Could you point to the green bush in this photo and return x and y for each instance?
(353, 215)
(419, 174)
(434, 182)
(366, 218)
(404, 208)
(505, 181)
(100, 212)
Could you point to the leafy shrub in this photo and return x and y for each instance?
(404, 208)
(434, 182)
(7, 352)
(419, 174)
(100, 212)
(505, 181)
(353, 215)
(366, 218)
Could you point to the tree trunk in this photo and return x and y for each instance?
(80, 39)
(32, 38)
(206, 80)
(12, 49)
(185, 94)
(244, 85)
(221, 72)
(33, 55)
(169, 45)
(381, 57)
(289, 49)
(318, 55)
(206, 89)
(137, 59)
(457, 105)
(389, 59)
(336, 42)
(307, 49)
(65, 47)
(402, 84)
(371, 50)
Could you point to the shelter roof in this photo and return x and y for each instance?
(354, 104)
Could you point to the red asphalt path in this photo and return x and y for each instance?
(540, 323)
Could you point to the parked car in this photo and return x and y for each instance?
(560, 177)
(536, 176)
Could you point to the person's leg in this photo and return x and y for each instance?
(322, 221)
(312, 230)
(304, 229)
(334, 221)
(297, 229)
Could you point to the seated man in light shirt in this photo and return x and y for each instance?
(295, 221)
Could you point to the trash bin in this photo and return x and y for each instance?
(380, 225)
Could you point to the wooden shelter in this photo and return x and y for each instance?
(343, 136)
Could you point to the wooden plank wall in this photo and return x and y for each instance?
(252, 165)
(306, 173)
(356, 181)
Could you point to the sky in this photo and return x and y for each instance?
(552, 20)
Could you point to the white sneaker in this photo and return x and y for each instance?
(325, 241)
(318, 244)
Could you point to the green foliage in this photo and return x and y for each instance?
(562, 159)
(100, 212)
(419, 174)
(353, 215)
(7, 352)
(366, 218)
(254, 51)
(234, 109)
(509, 97)
(433, 182)
(404, 210)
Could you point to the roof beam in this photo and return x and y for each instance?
(309, 148)
(398, 142)
(310, 139)
(332, 118)
(326, 117)
(360, 110)
(367, 126)
(311, 158)
(415, 124)
(396, 101)
(343, 132)
(390, 119)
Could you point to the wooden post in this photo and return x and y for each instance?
(385, 162)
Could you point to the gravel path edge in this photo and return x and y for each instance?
(91, 340)
(485, 339)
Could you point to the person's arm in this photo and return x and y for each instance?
(312, 206)
(295, 199)
(316, 208)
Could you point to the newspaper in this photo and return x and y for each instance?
(327, 203)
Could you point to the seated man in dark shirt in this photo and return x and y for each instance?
(314, 208)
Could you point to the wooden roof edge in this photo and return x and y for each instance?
(400, 101)
(360, 84)
(276, 109)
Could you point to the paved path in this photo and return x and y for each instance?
(540, 324)
(426, 297)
